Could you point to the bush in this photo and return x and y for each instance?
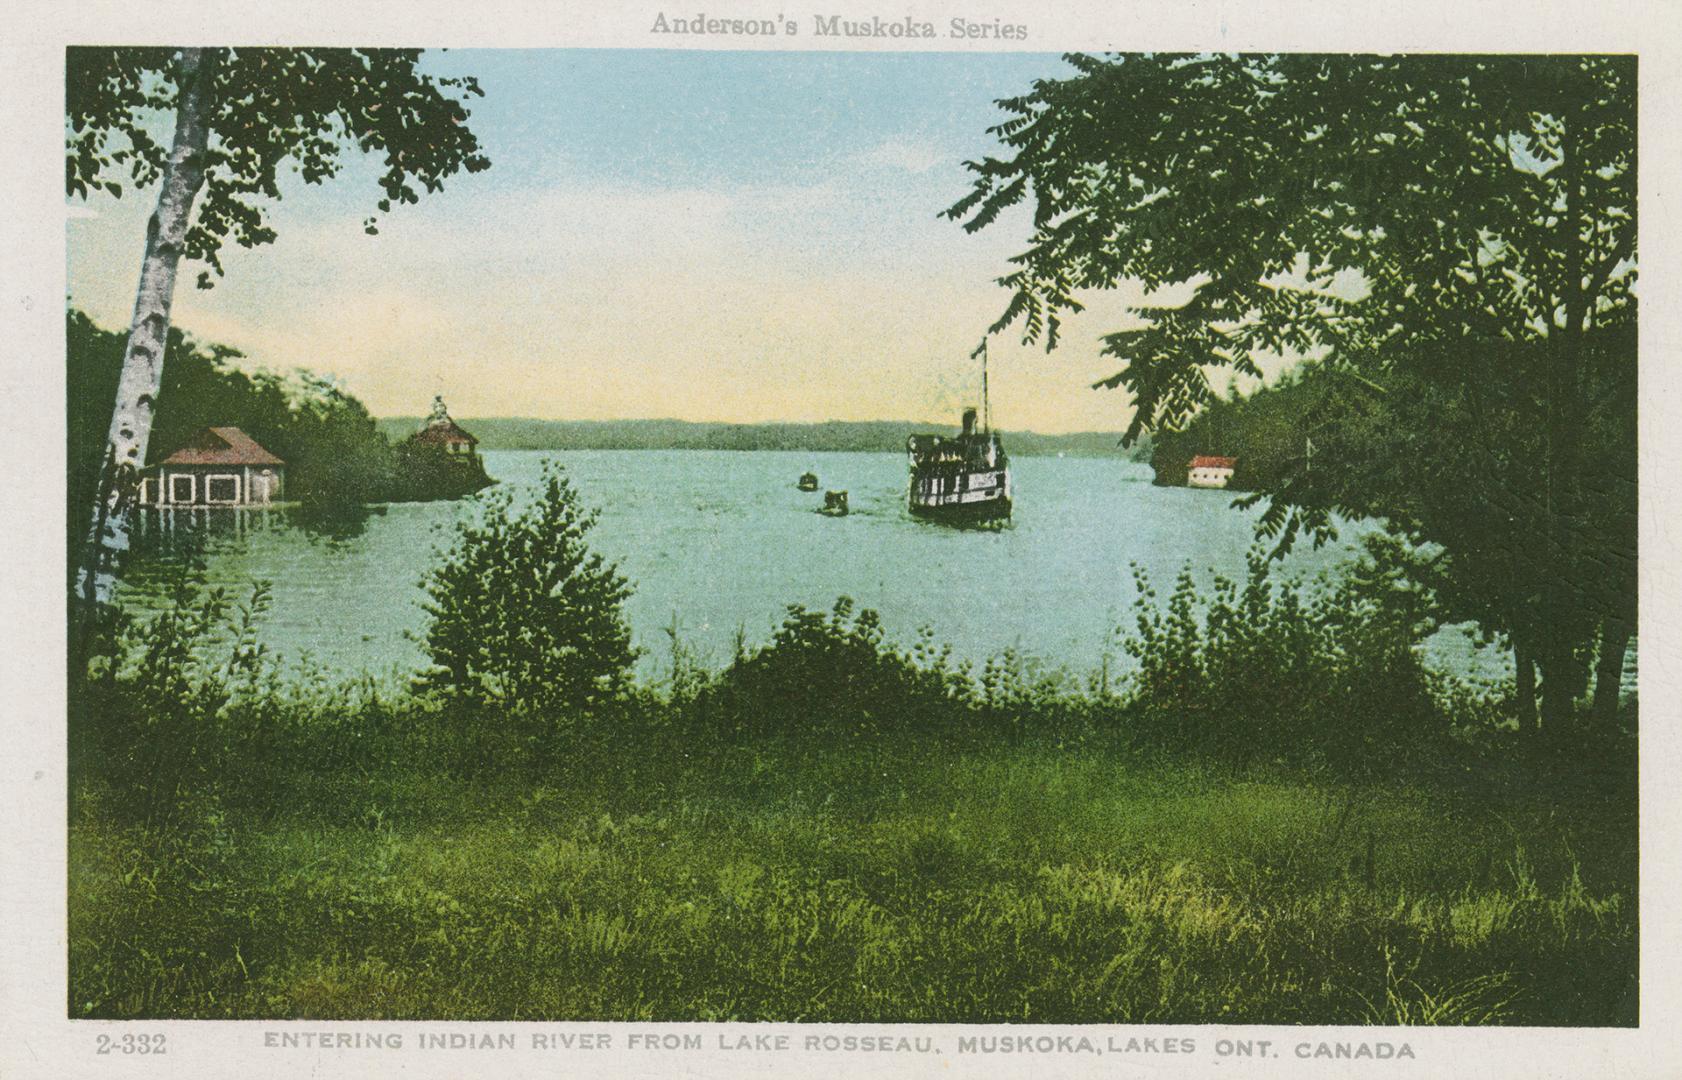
(145, 725)
(1328, 674)
(523, 615)
(831, 674)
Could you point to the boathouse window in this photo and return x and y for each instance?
(223, 489)
(147, 491)
(181, 488)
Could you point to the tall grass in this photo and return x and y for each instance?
(918, 883)
(1274, 816)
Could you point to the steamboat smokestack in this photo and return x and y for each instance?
(969, 421)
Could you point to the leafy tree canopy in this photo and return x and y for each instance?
(268, 107)
(1455, 234)
(1473, 196)
(335, 453)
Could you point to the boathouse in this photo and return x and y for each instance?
(220, 466)
(1210, 472)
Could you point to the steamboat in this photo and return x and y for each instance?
(962, 479)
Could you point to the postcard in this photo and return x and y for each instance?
(851, 540)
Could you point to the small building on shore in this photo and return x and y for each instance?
(1206, 471)
(446, 437)
(220, 466)
(440, 461)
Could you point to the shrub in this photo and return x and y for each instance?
(830, 673)
(187, 709)
(1324, 674)
(522, 613)
(145, 721)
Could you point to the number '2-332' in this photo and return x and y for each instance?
(130, 1044)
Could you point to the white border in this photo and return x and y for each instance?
(37, 1041)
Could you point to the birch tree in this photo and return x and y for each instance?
(1362, 208)
(239, 117)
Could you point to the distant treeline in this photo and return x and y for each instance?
(873, 436)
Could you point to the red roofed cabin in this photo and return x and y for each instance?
(1210, 472)
(445, 435)
(220, 466)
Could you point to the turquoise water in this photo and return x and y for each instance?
(721, 542)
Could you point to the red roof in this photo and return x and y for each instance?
(444, 431)
(1203, 461)
(222, 446)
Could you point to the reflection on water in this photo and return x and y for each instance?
(723, 541)
(334, 522)
(183, 531)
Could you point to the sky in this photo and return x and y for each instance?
(710, 236)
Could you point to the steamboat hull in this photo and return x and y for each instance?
(990, 512)
(959, 480)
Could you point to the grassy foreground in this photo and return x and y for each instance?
(904, 879)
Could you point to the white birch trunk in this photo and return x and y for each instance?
(143, 360)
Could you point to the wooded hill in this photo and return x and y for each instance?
(1265, 432)
(335, 453)
(872, 436)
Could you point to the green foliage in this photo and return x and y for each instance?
(1461, 457)
(836, 677)
(1249, 671)
(1259, 669)
(851, 436)
(902, 882)
(833, 828)
(341, 457)
(1458, 188)
(522, 614)
(178, 702)
(1264, 431)
(93, 360)
(248, 845)
(153, 718)
(269, 108)
(425, 471)
(824, 676)
(335, 453)
(1455, 235)
(1451, 453)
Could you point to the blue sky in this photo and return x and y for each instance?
(705, 235)
(682, 117)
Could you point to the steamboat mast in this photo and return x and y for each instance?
(963, 479)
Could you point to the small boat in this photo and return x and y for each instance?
(834, 503)
(963, 479)
(808, 482)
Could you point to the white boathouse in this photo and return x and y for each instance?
(220, 466)
(1206, 471)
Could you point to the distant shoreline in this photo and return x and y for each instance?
(830, 436)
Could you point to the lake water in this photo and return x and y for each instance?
(721, 542)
